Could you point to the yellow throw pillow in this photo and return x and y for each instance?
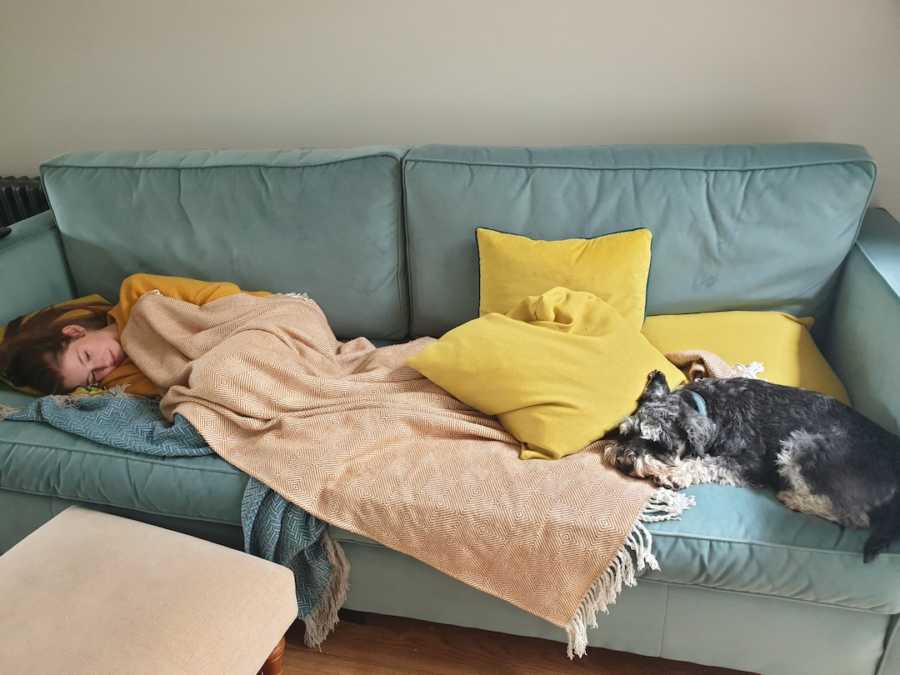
(613, 267)
(559, 372)
(780, 342)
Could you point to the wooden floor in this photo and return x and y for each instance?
(377, 645)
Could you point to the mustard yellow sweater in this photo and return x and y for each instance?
(180, 288)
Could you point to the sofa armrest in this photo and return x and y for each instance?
(33, 269)
(863, 344)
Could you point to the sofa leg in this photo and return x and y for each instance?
(274, 665)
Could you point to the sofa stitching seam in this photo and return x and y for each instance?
(404, 284)
(130, 457)
(52, 165)
(751, 542)
(874, 266)
(770, 595)
(662, 632)
(888, 646)
(141, 509)
(860, 161)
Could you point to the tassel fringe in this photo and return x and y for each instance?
(324, 617)
(751, 370)
(299, 296)
(633, 558)
(7, 410)
(71, 400)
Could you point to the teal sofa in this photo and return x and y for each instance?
(383, 239)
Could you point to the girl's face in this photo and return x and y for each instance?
(90, 356)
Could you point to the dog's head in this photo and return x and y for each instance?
(662, 431)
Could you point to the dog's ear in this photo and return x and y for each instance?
(700, 431)
(657, 387)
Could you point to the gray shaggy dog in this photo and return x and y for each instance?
(820, 456)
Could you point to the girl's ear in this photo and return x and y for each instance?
(74, 331)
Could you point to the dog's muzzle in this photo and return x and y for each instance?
(621, 458)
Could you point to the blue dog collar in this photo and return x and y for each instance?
(699, 403)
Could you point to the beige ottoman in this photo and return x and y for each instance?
(93, 593)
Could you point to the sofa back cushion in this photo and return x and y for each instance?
(734, 227)
(327, 222)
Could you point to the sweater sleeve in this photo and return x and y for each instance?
(180, 288)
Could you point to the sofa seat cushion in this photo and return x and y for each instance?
(734, 539)
(744, 540)
(38, 459)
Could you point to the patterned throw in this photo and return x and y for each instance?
(351, 435)
(274, 529)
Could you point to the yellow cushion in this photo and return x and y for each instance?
(780, 342)
(559, 371)
(613, 267)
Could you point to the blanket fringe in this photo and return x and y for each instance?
(71, 400)
(750, 370)
(299, 296)
(324, 617)
(7, 410)
(635, 555)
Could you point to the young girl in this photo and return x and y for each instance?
(62, 348)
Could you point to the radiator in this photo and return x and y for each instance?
(20, 198)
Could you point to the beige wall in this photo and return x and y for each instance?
(79, 75)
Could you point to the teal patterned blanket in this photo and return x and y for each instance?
(274, 528)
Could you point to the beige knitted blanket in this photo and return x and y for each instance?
(351, 435)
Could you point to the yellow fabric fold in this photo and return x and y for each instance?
(559, 371)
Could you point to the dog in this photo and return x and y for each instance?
(819, 455)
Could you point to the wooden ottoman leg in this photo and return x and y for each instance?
(274, 665)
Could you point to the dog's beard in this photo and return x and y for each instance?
(676, 472)
(643, 465)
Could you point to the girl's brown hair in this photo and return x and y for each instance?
(33, 344)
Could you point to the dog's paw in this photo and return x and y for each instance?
(675, 480)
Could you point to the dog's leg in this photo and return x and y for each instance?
(792, 464)
(885, 529)
(822, 483)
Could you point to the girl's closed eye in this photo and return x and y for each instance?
(86, 362)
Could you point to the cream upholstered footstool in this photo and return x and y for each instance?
(93, 593)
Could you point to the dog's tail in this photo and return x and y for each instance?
(885, 528)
